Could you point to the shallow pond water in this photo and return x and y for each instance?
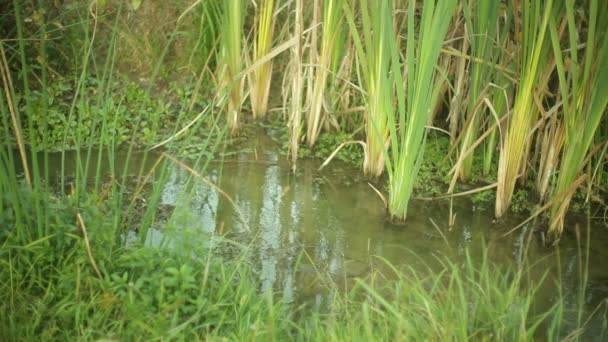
(306, 228)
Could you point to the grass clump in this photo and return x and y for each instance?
(475, 300)
(183, 290)
(51, 290)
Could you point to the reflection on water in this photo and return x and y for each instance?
(202, 200)
(331, 223)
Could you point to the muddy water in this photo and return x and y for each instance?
(314, 232)
(306, 228)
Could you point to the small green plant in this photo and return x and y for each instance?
(521, 203)
(483, 200)
(433, 177)
(129, 104)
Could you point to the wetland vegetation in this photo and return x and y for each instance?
(303, 170)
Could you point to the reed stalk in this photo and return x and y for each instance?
(416, 99)
(232, 60)
(460, 83)
(533, 56)
(374, 47)
(260, 79)
(403, 125)
(481, 18)
(550, 145)
(501, 96)
(10, 108)
(326, 67)
(297, 84)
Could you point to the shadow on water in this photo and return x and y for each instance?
(314, 232)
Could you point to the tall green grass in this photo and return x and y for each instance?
(481, 23)
(418, 96)
(232, 60)
(501, 89)
(67, 250)
(474, 300)
(399, 108)
(533, 56)
(326, 67)
(375, 43)
(296, 86)
(583, 84)
(259, 84)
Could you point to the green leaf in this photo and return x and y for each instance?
(135, 4)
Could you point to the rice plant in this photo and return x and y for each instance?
(259, 81)
(583, 84)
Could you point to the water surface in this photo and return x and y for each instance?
(314, 232)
